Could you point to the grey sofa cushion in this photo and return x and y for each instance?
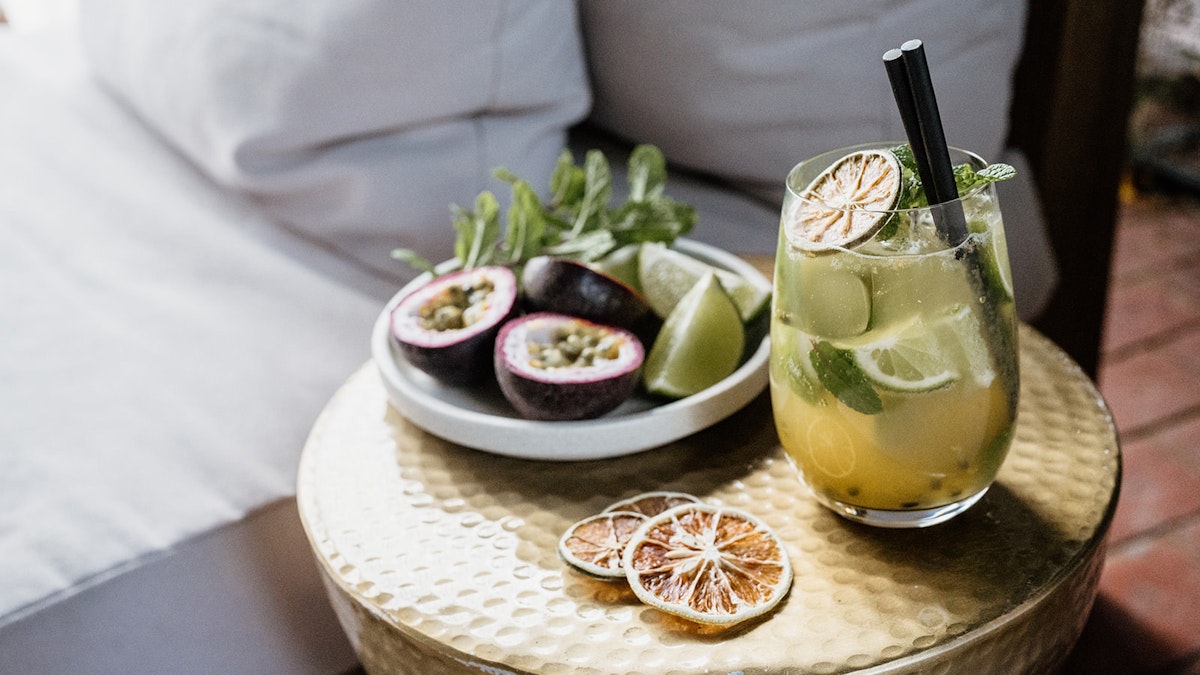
(357, 121)
(743, 91)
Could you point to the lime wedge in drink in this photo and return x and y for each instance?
(909, 358)
(994, 259)
(962, 334)
(824, 298)
(665, 275)
(699, 344)
(791, 363)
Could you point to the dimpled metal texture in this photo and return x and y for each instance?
(441, 559)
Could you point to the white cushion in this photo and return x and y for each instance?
(747, 91)
(744, 91)
(357, 121)
(165, 349)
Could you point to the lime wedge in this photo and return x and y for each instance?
(910, 358)
(665, 275)
(622, 265)
(699, 344)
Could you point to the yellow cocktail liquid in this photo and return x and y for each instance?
(949, 447)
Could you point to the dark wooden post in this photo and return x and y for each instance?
(1072, 95)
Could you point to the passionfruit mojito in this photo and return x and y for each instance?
(893, 363)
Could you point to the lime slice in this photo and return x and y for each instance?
(665, 275)
(847, 203)
(699, 344)
(831, 449)
(912, 358)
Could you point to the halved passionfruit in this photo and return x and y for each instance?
(448, 326)
(567, 287)
(557, 367)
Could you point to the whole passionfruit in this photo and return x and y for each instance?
(447, 327)
(557, 367)
(568, 287)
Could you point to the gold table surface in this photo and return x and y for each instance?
(440, 558)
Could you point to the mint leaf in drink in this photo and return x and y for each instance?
(588, 247)
(890, 229)
(996, 172)
(912, 192)
(967, 179)
(844, 379)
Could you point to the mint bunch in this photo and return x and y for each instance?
(912, 193)
(577, 222)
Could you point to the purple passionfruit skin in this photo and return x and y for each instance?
(567, 393)
(572, 288)
(460, 355)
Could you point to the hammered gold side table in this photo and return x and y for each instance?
(441, 559)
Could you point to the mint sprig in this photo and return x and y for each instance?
(912, 193)
(478, 231)
(576, 222)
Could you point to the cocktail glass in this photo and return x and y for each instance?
(893, 367)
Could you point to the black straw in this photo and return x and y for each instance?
(902, 90)
(912, 86)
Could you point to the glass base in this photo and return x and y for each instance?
(901, 519)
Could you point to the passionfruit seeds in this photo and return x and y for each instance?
(574, 345)
(457, 305)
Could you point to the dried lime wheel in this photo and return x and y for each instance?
(847, 203)
(710, 564)
(653, 503)
(595, 544)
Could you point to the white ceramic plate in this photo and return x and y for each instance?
(479, 417)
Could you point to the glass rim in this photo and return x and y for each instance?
(794, 192)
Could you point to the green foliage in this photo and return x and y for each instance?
(912, 193)
(843, 378)
(576, 222)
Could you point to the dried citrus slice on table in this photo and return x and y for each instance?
(653, 503)
(710, 564)
(595, 544)
(847, 203)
